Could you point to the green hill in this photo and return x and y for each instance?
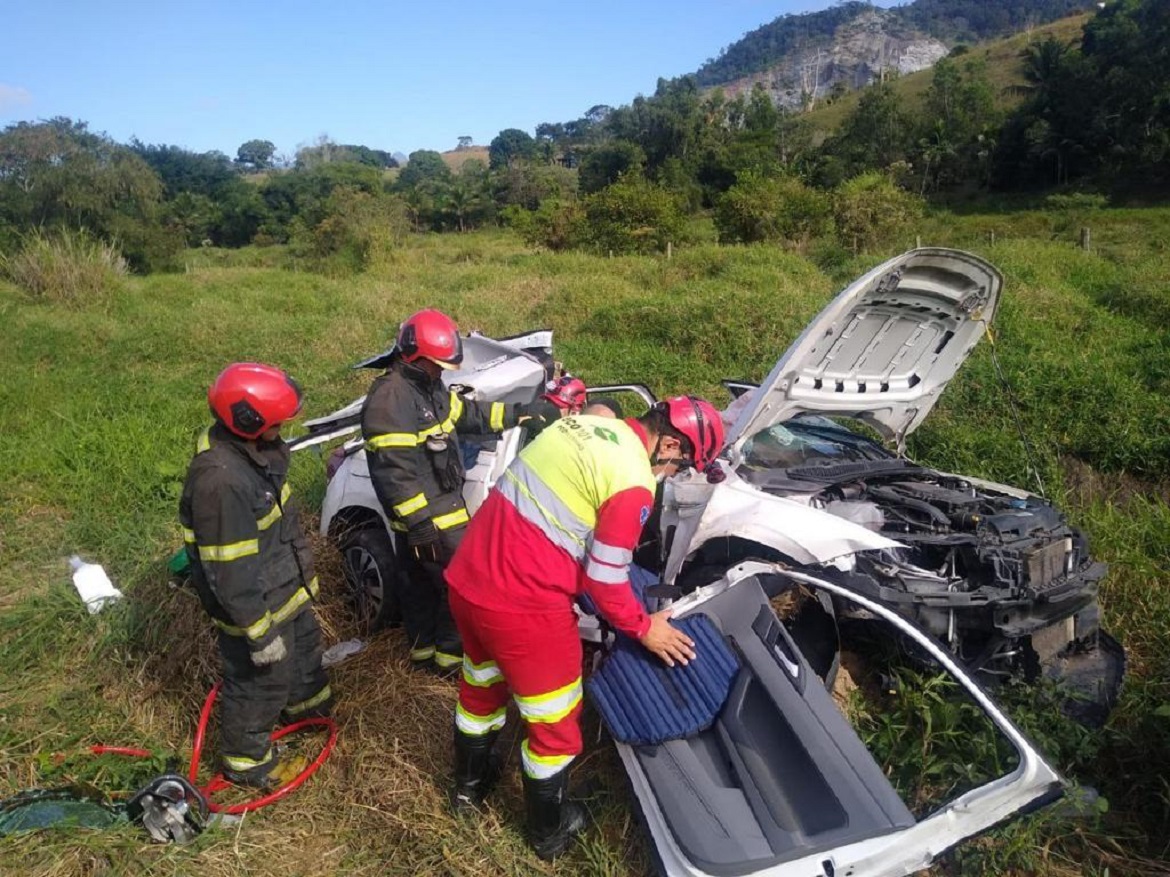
(951, 21)
(1004, 67)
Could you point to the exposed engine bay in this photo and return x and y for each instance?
(997, 575)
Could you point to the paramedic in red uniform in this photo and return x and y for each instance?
(561, 522)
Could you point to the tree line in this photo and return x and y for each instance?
(629, 178)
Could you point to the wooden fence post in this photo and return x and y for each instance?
(991, 237)
(1085, 238)
(669, 250)
(918, 242)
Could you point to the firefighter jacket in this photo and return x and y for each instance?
(561, 522)
(250, 561)
(410, 423)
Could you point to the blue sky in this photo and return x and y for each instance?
(389, 75)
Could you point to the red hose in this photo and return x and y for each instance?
(218, 782)
(120, 750)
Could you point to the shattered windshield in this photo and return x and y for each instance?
(809, 440)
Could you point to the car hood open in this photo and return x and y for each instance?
(884, 349)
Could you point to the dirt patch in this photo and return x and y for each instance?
(1086, 485)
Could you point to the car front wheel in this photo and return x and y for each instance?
(371, 571)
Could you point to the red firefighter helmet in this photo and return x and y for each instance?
(700, 422)
(567, 393)
(431, 334)
(249, 398)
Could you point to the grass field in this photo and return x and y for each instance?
(100, 405)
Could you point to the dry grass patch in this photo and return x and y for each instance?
(65, 267)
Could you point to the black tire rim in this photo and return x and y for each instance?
(365, 582)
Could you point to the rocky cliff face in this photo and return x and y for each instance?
(857, 54)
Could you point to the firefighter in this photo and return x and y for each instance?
(410, 423)
(252, 567)
(568, 394)
(561, 522)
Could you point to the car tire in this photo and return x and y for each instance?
(372, 574)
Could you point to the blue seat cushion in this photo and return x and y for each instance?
(643, 702)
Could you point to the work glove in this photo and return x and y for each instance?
(423, 540)
(537, 415)
(272, 653)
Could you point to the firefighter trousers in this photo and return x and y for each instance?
(536, 658)
(426, 615)
(254, 698)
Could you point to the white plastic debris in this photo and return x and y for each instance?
(335, 654)
(93, 585)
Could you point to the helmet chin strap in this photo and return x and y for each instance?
(656, 460)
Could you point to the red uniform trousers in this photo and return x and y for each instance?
(534, 656)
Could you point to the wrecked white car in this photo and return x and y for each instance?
(509, 370)
(995, 573)
(974, 581)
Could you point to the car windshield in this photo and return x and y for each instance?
(809, 440)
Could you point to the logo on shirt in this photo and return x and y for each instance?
(644, 515)
(608, 434)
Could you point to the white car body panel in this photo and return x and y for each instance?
(701, 511)
(884, 349)
(899, 852)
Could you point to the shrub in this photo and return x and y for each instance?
(557, 225)
(776, 209)
(65, 266)
(872, 212)
(1071, 211)
(632, 216)
(358, 230)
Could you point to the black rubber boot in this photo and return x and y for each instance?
(553, 820)
(476, 770)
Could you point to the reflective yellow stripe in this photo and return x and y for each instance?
(269, 519)
(455, 413)
(482, 675)
(234, 551)
(552, 706)
(299, 598)
(444, 660)
(496, 421)
(398, 527)
(253, 631)
(409, 506)
(541, 767)
(477, 726)
(289, 608)
(316, 700)
(189, 536)
(240, 762)
(392, 440)
(422, 654)
(451, 519)
(203, 443)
